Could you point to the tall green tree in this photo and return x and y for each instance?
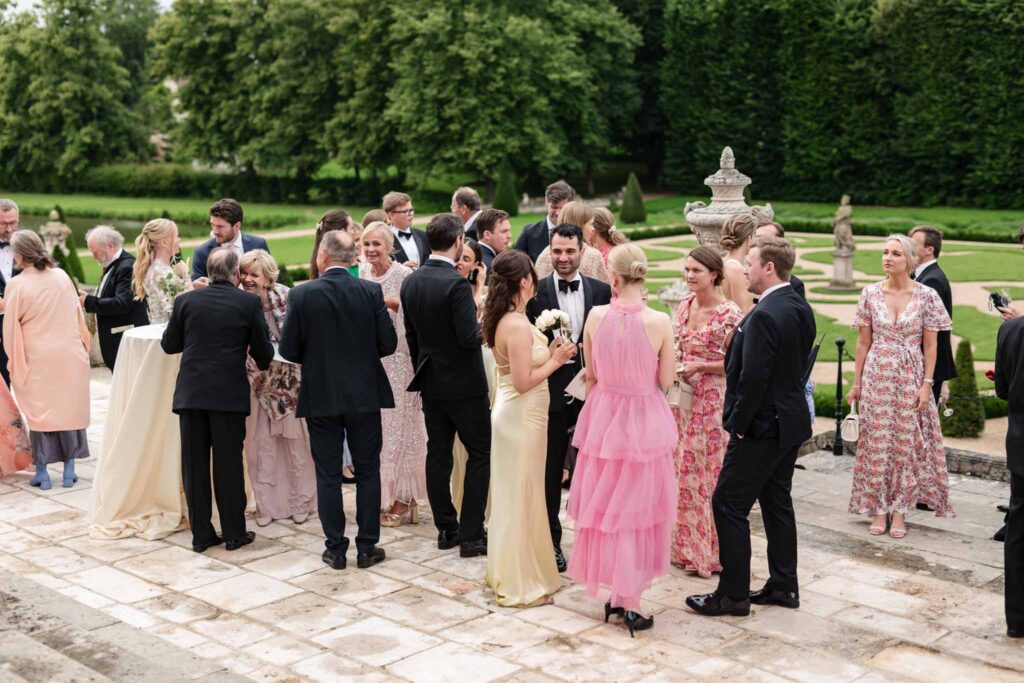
(62, 96)
(126, 24)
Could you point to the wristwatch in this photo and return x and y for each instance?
(929, 380)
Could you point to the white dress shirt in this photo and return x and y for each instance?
(572, 303)
(470, 221)
(437, 257)
(765, 293)
(409, 246)
(235, 245)
(921, 268)
(551, 226)
(7, 262)
(106, 275)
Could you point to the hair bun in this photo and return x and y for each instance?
(637, 270)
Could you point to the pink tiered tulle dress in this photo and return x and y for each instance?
(623, 495)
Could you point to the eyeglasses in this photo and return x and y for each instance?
(407, 212)
(9, 224)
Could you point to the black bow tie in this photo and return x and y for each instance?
(405, 235)
(565, 286)
(4, 245)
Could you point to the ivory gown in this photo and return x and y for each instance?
(520, 561)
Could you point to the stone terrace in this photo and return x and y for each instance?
(928, 607)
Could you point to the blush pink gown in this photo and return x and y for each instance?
(623, 494)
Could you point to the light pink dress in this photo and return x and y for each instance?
(15, 451)
(403, 459)
(623, 494)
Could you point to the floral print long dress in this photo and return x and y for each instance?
(702, 440)
(900, 457)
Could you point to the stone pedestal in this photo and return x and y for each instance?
(842, 271)
(672, 295)
(727, 200)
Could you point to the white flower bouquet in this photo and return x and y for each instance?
(554, 320)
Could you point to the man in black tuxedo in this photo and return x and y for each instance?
(10, 218)
(570, 291)
(775, 229)
(767, 418)
(466, 205)
(338, 328)
(495, 235)
(114, 302)
(226, 225)
(1009, 380)
(536, 236)
(444, 344)
(213, 328)
(411, 246)
(928, 272)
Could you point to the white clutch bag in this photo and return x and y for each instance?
(577, 388)
(680, 395)
(850, 428)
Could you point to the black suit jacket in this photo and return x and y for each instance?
(3, 289)
(338, 328)
(534, 239)
(115, 306)
(202, 252)
(213, 328)
(764, 395)
(945, 365)
(420, 238)
(798, 285)
(595, 293)
(443, 333)
(1010, 386)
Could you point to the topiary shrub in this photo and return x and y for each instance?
(967, 416)
(69, 263)
(284, 276)
(633, 210)
(505, 193)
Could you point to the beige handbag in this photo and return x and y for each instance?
(850, 428)
(577, 388)
(680, 394)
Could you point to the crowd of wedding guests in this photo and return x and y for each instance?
(423, 365)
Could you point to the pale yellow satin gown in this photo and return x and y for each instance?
(520, 558)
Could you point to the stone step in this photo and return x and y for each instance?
(45, 636)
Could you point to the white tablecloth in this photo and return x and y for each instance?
(137, 487)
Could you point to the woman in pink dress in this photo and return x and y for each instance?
(403, 459)
(900, 458)
(704, 324)
(15, 450)
(623, 494)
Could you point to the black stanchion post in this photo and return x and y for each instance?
(837, 447)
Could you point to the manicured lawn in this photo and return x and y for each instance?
(654, 254)
(980, 328)
(973, 265)
(836, 292)
(664, 274)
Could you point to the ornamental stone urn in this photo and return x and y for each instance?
(706, 221)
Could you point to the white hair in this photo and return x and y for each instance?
(8, 205)
(106, 235)
(909, 250)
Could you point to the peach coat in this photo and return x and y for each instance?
(47, 343)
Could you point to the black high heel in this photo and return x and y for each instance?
(637, 622)
(609, 610)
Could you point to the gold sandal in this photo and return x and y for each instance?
(393, 519)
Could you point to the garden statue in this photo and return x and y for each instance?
(842, 228)
(55, 233)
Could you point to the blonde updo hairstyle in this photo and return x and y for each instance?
(909, 250)
(263, 262)
(153, 233)
(604, 225)
(629, 263)
(737, 230)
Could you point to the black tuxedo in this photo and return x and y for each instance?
(798, 285)
(444, 344)
(1010, 386)
(115, 306)
(767, 418)
(562, 411)
(945, 365)
(3, 353)
(534, 239)
(420, 238)
(213, 328)
(488, 258)
(338, 328)
(470, 228)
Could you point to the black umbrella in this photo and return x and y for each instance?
(811, 359)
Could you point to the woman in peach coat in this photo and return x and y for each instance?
(47, 342)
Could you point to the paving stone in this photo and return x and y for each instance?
(421, 609)
(684, 627)
(917, 632)
(569, 660)
(282, 650)
(59, 560)
(176, 608)
(682, 658)
(329, 668)
(243, 592)
(451, 661)
(351, 586)
(925, 665)
(111, 550)
(792, 662)
(376, 641)
(451, 586)
(232, 630)
(177, 568)
(808, 630)
(557, 619)
(287, 565)
(115, 584)
(498, 634)
(865, 594)
(18, 542)
(34, 662)
(305, 614)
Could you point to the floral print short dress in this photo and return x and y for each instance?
(900, 458)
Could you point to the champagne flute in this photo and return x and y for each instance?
(566, 333)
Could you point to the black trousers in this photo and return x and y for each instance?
(326, 438)
(224, 433)
(4, 372)
(559, 422)
(755, 469)
(1013, 555)
(470, 418)
(937, 392)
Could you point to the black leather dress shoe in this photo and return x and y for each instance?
(334, 560)
(766, 596)
(447, 539)
(368, 559)
(715, 605)
(241, 541)
(925, 507)
(1014, 633)
(473, 548)
(560, 560)
(1000, 535)
(203, 547)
